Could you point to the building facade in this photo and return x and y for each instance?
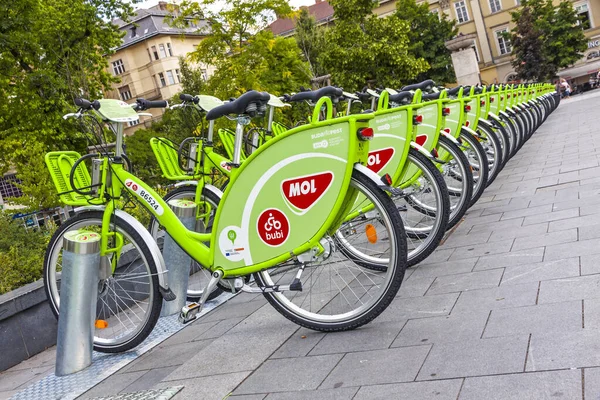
(147, 62)
(489, 18)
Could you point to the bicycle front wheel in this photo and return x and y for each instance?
(338, 293)
(129, 301)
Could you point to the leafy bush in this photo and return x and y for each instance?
(21, 253)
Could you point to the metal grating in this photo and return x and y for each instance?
(157, 394)
(104, 365)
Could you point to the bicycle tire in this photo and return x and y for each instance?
(464, 178)
(131, 340)
(480, 163)
(365, 313)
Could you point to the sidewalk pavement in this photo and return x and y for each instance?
(507, 308)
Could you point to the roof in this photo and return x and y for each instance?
(146, 23)
(321, 11)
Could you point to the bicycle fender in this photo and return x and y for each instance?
(494, 116)
(485, 122)
(470, 131)
(148, 239)
(215, 190)
(421, 150)
(377, 179)
(450, 138)
(504, 114)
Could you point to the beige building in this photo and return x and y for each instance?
(489, 18)
(147, 62)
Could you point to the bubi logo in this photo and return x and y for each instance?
(379, 159)
(273, 227)
(304, 191)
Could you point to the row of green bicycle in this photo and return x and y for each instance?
(322, 218)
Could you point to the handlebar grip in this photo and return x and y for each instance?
(86, 104)
(144, 104)
(189, 98)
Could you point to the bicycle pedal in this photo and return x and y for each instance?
(189, 313)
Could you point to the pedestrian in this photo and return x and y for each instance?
(565, 88)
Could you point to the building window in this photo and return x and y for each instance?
(169, 50)
(149, 55)
(155, 52)
(170, 78)
(476, 52)
(178, 76)
(161, 76)
(161, 49)
(9, 186)
(125, 93)
(118, 67)
(133, 32)
(583, 12)
(133, 123)
(504, 45)
(495, 6)
(461, 11)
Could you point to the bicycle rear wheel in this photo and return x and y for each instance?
(337, 293)
(129, 301)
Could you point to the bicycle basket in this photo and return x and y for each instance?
(166, 155)
(59, 164)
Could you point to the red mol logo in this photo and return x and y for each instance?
(421, 139)
(379, 159)
(273, 227)
(303, 192)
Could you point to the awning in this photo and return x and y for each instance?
(581, 70)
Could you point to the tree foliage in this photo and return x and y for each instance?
(362, 47)
(427, 35)
(311, 41)
(51, 51)
(545, 38)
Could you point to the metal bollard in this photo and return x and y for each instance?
(177, 261)
(78, 298)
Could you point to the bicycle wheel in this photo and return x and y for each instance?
(459, 179)
(129, 301)
(478, 162)
(493, 151)
(337, 293)
(199, 276)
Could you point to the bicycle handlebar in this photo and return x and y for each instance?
(143, 104)
(86, 104)
(189, 98)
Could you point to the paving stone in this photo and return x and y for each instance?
(505, 296)
(590, 264)
(323, 394)
(591, 314)
(471, 251)
(378, 366)
(149, 379)
(438, 390)
(578, 222)
(467, 281)
(449, 328)
(541, 271)
(402, 309)
(524, 212)
(546, 239)
(496, 226)
(552, 216)
(440, 255)
(506, 205)
(190, 333)
(46, 358)
(6, 395)
(227, 310)
(574, 249)
(248, 397)
(550, 198)
(303, 373)
(415, 286)
(15, 379)
(373, 336)
(220, 328)
(535, 319)
(299, 344)
(113, 384)
(167, 356)
(591, 383)
(521, 257)
(444, 268)
(206, 388)
(555, 350)
(531, 386)
(475, 358)
(589, 232)
(458, 240)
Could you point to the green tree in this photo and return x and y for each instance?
(362, 47)
(51, 51)
(311, 41)
(427, 36)
(545, 38)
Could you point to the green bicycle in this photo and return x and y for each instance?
(277, 221)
